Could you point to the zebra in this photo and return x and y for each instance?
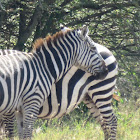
(26, 79)
(77, 86)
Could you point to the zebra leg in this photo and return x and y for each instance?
(109, 124)
(93, 109)
(19, 119)
(2, 129)
(30, 113)
(9, 121)
(106, 118)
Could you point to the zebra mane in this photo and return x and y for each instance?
(48, 39)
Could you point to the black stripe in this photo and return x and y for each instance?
(59, 94)
(67, 45)
(49, 63)
(103, 83)
(22, 74)
(105, 55)
(106, 112)
(76, 43)
(31, 101)
(102, 92)
(72, 82)
(43, 64)
(28, 72)
(112, 66)
(104, 106)
(62, 55)
(1, 94)
(64, 49)
(57, 58)
(40, 76)
(91, 78)
(42, 70)
(104, 99)
(8, 82)
(50, 105)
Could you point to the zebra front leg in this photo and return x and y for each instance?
(9, 121)
(108, 124)
(2, 129)
(19, 119)
(30, 113)
(92, 108)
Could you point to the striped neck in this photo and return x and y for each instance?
(59, 55)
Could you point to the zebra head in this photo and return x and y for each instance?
(89, 59)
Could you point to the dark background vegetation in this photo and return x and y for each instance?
(112, 23)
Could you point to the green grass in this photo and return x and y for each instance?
(77, 133)
(73, 126)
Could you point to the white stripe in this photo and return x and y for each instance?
(61, 59)
(75, 93)
(46, 66)
(54, 102)
(53, 60)
(5, 91)
(64, 101)
(110, 60)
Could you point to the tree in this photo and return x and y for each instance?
(113, 23)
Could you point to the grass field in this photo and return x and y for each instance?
(75, 127)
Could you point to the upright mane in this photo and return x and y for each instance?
(48, 39)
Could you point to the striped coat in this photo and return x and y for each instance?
(77, 86)
(26, 78)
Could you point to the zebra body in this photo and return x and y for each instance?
(77, 86)
(72, 88)
(26, 78)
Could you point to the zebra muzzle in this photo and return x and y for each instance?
(103, 73)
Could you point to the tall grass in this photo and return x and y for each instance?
(75, 126)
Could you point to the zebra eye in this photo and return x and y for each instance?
(93, 48)
(93, 51)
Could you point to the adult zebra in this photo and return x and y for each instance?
(77, 86)
(26, 78)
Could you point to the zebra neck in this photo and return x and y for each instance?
(56, 60)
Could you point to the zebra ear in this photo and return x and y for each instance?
(84, 31)
(63, 28)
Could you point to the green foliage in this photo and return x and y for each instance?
(113, 23)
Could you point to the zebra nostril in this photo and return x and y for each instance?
(104, 67)
(103, 73)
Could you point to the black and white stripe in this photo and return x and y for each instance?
(77, 86)
(26, 78)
